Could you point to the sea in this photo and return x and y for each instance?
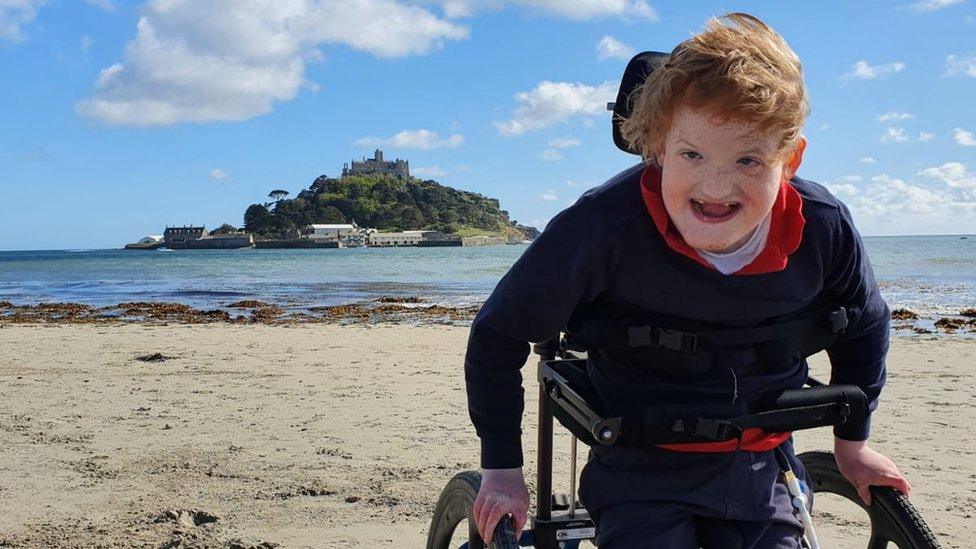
(930, 275)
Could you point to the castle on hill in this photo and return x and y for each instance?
(397, 168)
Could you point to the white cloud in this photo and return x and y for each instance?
(850, 178)
(228, 60)
(550, 103)
(414, 139)
(894, 135)
(890, 198)
(925, 136)
(923, 6)
(582, 10)
(964, 138)
(14, 14)
(579, 10)
(549, 196)
(429, 171)
(823, 127)
(218, 174)
(106, 5)
(887, 205)
(643, 9)
(843, 190)
(864, 71)
(86, 43)
(551, 155)
(894, 116)
(961, 182)
(869, 160)
(961, 64)
(564, 142)
(955, 175)
(610, 48)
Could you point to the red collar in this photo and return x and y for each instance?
(785, 227)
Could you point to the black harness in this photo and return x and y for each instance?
(682, 348)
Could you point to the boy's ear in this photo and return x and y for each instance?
(657, 153)
(795, 158)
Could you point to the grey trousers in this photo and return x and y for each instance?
(654, 498)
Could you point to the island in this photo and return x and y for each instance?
(375, 203)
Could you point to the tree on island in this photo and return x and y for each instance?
(276, 197)
(226, 228)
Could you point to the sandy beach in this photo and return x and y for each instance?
(323, 435)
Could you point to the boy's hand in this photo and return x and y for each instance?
(502, 492)
(863, 467)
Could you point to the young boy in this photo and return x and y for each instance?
(712, 227)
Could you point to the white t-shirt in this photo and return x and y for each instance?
(728, 263)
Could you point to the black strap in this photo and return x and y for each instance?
(700, 429)
(709, 429)
(833, 320)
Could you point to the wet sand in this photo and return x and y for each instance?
(328, 435)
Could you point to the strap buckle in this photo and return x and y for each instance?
(712, 429)
(646, 336)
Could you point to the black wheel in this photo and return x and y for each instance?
(893, 518)
(454, 506)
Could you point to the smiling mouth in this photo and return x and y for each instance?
(714, 212)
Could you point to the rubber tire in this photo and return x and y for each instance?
(454, 506)
(893, 517)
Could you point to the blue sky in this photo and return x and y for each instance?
(119, 118)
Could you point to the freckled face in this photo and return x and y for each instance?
(719, 180)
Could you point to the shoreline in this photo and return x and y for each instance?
(384, 309)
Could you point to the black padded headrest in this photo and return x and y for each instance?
(639, 68)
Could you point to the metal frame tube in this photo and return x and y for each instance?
(543, 493)
(572, 477)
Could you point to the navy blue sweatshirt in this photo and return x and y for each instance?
(605, 251)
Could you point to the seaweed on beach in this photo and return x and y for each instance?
(47, 312)
(177, 312)
(903, 314)
(152, 309)
(154, 357)
(163, 312)
(266, 313)
(947, 324)
(336, 312)
(400, 299)
(249, 304)
(394, 313)
(64, 310)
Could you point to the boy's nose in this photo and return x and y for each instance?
(716, 187)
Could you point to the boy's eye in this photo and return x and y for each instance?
(691, 155)
(748, 162)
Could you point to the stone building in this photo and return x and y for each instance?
(179, 235)
(397, 168)
(327, 231)
(405, 238)
(357, 239)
